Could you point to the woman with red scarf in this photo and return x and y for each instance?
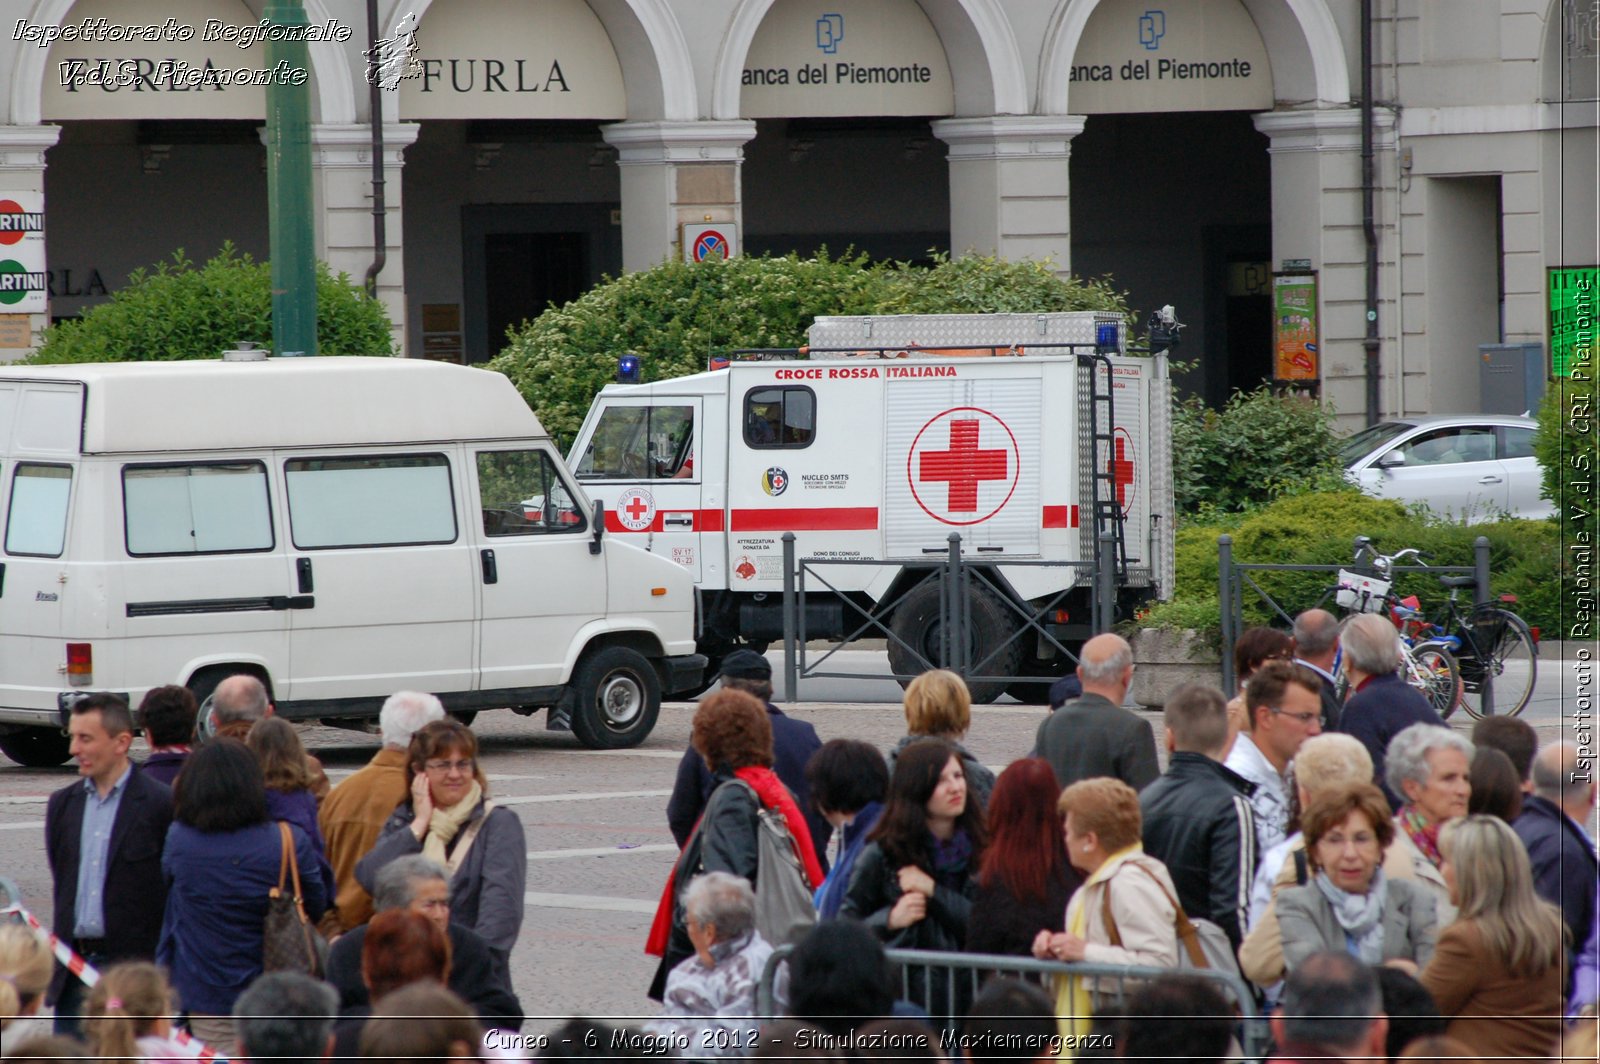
(1430, 767)
(732, 733)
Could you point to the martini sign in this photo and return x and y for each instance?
(24, 284)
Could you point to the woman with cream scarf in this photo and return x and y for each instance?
(451, 819)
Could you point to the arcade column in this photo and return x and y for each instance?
(1009, 185)
(675, 173)
(341, 175)
(22, 166)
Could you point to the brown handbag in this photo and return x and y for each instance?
(289, 941)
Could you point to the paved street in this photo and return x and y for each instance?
(599, 849)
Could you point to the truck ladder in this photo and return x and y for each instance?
(1103, 455)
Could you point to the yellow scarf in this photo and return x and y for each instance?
(1074, 1004)
(445, 822)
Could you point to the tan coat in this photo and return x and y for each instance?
(1404, 861)
(1144, 916)
(1495, 1012)
(351, 819)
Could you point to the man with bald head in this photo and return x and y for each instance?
(1316, 645)
(1553, 828)
(241, 700)
(1093, 735)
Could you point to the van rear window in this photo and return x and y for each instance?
(36, 522)
(206, 508)
(377, 501)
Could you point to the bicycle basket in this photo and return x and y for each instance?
(1361, 592)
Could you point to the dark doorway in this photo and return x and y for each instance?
(519, 260)
(1238, 311)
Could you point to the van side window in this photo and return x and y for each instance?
(780, 418)
(208, 508)
(37, 522)
(523, 495)
(376, 501)
(640, 443)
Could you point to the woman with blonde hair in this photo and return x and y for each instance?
(25, 969)
(129, 1016)
(278, 748)
(939, 706)
(1498, 969)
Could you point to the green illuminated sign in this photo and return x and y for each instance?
(1572, 316)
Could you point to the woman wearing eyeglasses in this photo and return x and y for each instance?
(451, 819)
(1349, 906)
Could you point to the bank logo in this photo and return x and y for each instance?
(830, 31)
(775, 481)
(1152, 27)
(393, 59)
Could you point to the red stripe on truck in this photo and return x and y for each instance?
(807, 519)
(704, 521)
(1059, 517)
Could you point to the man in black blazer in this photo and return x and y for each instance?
(1316, 645)
(103, 837)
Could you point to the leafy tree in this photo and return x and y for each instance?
(1257, 448)
(176, 311)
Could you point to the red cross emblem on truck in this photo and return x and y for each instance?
(963, 466)
(636, 509)
(1122, 471)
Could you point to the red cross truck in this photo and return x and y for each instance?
(872, 445)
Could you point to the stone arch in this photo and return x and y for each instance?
(1309, 64)
(657, 71)
(333, 78)
(985, 62)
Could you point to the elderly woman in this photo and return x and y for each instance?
(452, 820)
(732, 732)
(400, 947)
(938, 706)
(1497, 971)
(710, 1001)
(1381, 704)
(848, 782)
(1430, 767)
(1349, 905)
(1101, 825)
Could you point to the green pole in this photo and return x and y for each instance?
(289, 218)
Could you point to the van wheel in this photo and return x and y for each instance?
(37, 747)
(618, 699)
(917, 625)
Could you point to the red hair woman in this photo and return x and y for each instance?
(1025, 878)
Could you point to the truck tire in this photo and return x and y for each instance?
(916, 622)
(618, 699)
(37, 747)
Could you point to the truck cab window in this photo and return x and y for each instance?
(522, 495)
(640, 443)
(779, 418)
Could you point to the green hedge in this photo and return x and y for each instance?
(677, 314)
(1319, 528)
(179, 312)
(1258, 447)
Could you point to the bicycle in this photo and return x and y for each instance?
(1430, 666)
(1494, 651)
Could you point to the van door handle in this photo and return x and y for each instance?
(491, 571)
(1489, 480)
(303, 568)
(292, 602)
(677, 521)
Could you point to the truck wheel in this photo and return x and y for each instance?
(916, 622)
(37, 747)
(618, 699)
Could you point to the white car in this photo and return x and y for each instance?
(1473, 467)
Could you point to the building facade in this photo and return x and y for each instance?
(1195, 150)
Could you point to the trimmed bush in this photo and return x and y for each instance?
(176, 311)
(678, 314)
(1257, 448)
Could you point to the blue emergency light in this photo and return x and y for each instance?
(628, 368)
(1105, 336)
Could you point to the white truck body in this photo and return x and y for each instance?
(869, 455)
(342, 527)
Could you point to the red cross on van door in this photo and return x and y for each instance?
(963, 466)
(1123, 471)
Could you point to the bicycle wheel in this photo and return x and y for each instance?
(1434, 671)
(1497, 651)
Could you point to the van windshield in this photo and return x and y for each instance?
(36, 523)
(640, 443)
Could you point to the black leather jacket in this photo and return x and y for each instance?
(1198, 822)
(874, 889)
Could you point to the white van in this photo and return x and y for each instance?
(341, 527)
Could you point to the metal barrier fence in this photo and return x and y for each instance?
(1233, 577)
(805, 579)
(924, 973)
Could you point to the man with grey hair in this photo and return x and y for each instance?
(422, 885)
(1316, 646)
(1382, 705)
(710, 998)
(236, 704)
(352, 816)
(1332, 1008)
(285, 1018)
(1553, 828)
(1093, 735)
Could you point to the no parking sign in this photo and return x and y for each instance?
(710, 240)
